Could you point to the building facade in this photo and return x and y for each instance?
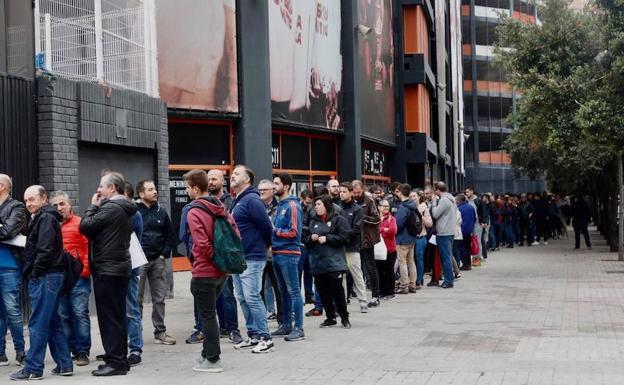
(488, 98)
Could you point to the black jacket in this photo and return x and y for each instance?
(44, 244)
(352, 212)
(580, 213)
(13, 221)
(108, 228)
(158, 236)
(484, 213)
(329, 257)
(370, 222)
(525, 211)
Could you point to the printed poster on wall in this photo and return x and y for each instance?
(305, 62)
(376, 70)
(197, 54)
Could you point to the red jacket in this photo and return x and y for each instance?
(201, 226)
(388, 230)
(75, 243)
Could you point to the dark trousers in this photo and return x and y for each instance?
(305, 273)
(110, 302)
(205, 292)
(329, 286)
(525, 232)
(270, 275)
(466, 250)
(370, 268)
(386, 274)
(484, 247)
(542, 230)
(577, 236)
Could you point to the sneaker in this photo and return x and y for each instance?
(282, 331)
(197, 337)
(411, 290)
(235, 337)
(374, 302)
(24, 375)
(82, 359)
(134, 359)
(63, 372)
(164, 338)
(20, 358)
(314, 312)
(247, 343)
(403, 290)
(328, 323)
(208, 367)
(309, 300)
(271, 317)
(346, 324)
(264, 346)
(433, 283)
(223, 333)
(535, 243)
(363, 308)
(295, 335)
(446, 285)
(545, 243)
(4, 361)
(99, 357)
(458, 276)
(389, 297)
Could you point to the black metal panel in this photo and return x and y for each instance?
(18, 147)
(417, 71)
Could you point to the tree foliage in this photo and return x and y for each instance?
(569, 71)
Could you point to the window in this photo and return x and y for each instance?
(16, 38)
(199, 143)
(486, 33)
(323, 154)
(295, 152)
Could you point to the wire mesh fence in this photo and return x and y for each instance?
(111, 41)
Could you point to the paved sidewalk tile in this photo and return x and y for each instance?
(544, 315)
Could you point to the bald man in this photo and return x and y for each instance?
(43, 270)
(13, 221)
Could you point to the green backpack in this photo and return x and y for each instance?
(229, 256)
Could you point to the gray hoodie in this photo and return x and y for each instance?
(445, 214)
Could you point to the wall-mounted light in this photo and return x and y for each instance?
(363, 29)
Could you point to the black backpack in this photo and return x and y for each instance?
(72, 268)
(414, 223)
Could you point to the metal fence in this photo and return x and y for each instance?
(109, 41)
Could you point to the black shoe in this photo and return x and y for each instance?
(328, 322)
(309, 300)
(82, 359)
(106, 371)
(63, 372)
(134, 359)
(433, 283)
(465, 268)
(346, 324)
(446, 285)
(99, 357)
(20, 358)
(24, 375)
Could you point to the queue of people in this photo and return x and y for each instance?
(328, 248)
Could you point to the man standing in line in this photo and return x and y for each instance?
(157, 241)
(270, 292)
(468, 221)
(474, 201)
(352, 212)
(525, 215)
(333, 186)
(13, 221)
(370, 236)
(405, 240)
(43, 270)
(286, 247)
(444, 212)
(108, 225)
(74, 307)
(256, 230)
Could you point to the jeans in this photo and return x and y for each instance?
(74, 312)
(247, 288)
(133, 315)
(226, 307)
(45, 326)
(205, 291)
(444, 245)
(110, 302)
(492, 236)
(421, 246)
(156, 273)
(286, 268)
(305, 273)
(405, 254)
(270, 292)
(458, 250)
(10, 310)
(268, 296)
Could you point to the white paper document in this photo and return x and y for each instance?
(18, 241)
(136, 252)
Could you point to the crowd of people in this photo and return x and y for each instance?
(329, 248)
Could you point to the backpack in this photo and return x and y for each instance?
(228, 253)
(72, 268)
(414, 223)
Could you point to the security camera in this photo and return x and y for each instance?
(363, 30)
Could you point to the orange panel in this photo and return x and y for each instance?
(416, 38)
(494, 157)
(181, 264)
(523, 17)
(417, 109)
(467, 49)
(465, 10)
(486, 86)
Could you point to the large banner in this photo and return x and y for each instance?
(197, 54)
(306, 63)
(376, 69)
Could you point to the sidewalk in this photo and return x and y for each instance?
(539, 315)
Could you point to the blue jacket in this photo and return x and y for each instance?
(253, 223)
(403, 237)
(287, 227)
(469, 218)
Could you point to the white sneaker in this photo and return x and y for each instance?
(247, 343)
(264, 346)
(207, 366)
(545, 243)
(535, 243)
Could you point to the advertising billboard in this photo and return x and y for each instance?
(306, 62)
(197, 54)
(376, 69)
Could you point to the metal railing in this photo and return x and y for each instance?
(108, 41)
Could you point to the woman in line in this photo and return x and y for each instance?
(388, 230)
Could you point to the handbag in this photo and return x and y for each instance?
(474, 245)
(381, 251)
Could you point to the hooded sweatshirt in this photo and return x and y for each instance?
(44, 244)
(403, 236)
(287, 227)
(253, 222)
(445, 214)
